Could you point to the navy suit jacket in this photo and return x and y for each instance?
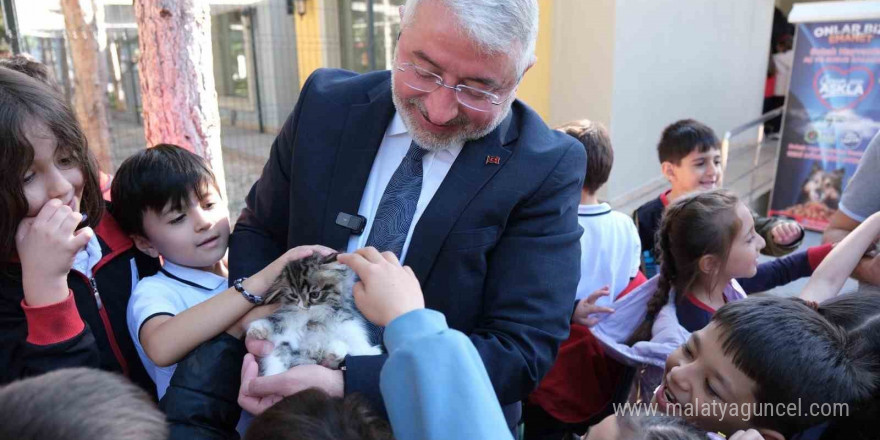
(496, 250)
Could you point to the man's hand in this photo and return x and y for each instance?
(259, 393)
(587, 307)
(786, 233)
(386, 290)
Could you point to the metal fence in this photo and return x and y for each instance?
(255, 71)
(254, 45)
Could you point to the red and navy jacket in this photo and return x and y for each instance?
(88, 328)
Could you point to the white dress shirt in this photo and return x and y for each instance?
(395, 144)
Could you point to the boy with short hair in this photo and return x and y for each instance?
(79, 404)
(690, 159)
(167, 199)
(610, 244)
(760, 356)
(609, 262)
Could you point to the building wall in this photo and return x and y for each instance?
(582, 72)
(535, 86)
(677, 59)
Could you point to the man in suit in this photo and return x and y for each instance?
(464, 183)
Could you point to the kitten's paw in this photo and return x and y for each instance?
(335, 352)
(332, 361)
(259, 329)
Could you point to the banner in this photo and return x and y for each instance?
(831, 114)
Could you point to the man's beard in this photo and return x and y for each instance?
(433, 142)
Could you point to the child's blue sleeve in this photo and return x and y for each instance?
(777, 272)
(434, 383)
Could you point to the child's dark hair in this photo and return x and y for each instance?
(859, 314)
(24, 101)
(27, 65)
(79, 404)
(661, 428)
(314, 415)
(682, 137)
(795, 355)
(692, 226)
(152, 178)
(600, 156)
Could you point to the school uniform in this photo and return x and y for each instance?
(174, 289)
(86, 329)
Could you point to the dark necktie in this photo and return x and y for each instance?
(395, 213)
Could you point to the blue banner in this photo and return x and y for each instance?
(831, 113)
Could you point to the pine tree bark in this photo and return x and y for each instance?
(84, 24)
(177, 78)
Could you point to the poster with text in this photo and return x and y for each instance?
(831, 114)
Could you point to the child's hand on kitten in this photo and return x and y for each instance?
(261, 282)
(386, 289)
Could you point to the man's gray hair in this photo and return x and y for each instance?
(497, 26)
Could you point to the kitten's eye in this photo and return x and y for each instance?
(315, 294)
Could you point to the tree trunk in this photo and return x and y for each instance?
(177, 78)
(84, 23)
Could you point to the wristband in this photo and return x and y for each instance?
(251, 298)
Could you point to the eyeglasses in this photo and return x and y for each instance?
(426, 81)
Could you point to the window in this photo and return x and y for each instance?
(368, 44)
(230, 41)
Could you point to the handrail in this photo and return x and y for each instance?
(759, 120)
(759, 141)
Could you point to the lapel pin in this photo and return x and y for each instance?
(493, 160)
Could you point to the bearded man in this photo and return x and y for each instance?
(437, 162)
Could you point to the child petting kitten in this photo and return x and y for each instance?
(66, 268)
(168, 201)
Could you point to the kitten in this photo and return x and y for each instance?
(317, 322)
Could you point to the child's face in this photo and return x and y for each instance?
(196, 236)
(745, 248)
(53, 174)
(696, 171)
(701, 377)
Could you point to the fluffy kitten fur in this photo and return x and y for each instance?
(317, 322)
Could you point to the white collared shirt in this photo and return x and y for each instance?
(172, 290)
(610, 249)
(395, 144)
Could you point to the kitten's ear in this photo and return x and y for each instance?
(144, 245)
(330, 258)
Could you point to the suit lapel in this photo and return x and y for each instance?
(473, 167)
(361, 138)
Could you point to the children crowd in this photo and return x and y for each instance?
(117, 308)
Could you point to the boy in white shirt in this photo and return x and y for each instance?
(167, 200)
(610, 246)
(610, 250)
